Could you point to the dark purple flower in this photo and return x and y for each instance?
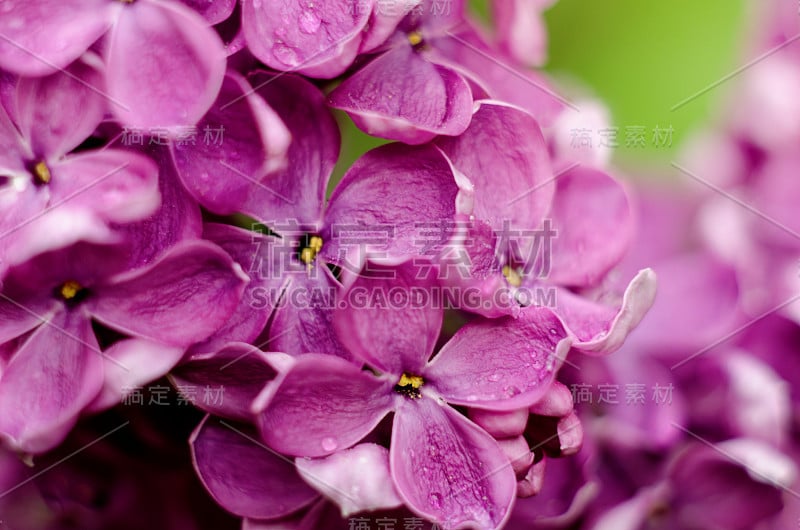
(49, 197)
(444, 467)
(56, 368)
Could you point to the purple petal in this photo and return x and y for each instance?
(53, 375)
(447, 469)
(298, 192)
(317, 40)
(58, 112)
(214, 11)
(504, 155)
(356, 479)
(521, 29)
(250, 318)
(420, 99)
(18, 316)
(130, 364)
(177, 219)
(176, 72)
(501, 364)
(115, 185)
(240, 369)
(371, 330)
(302, 322)
(383, 22)
(501, 424)
(320, 405)
(181, 298)
(405, 190)
(65, 29)
(13, 149)
(243, 476)
(255, 141)
(594, 224)
(601, 329)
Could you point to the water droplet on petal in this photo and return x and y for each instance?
(511, 390)
(309, 22)
(329, 444)
(436, 500)
(286, 54)
(553, 331)
(495, 377)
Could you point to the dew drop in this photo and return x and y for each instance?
(329, 444)
(286, 54)
(553, 331)
(511, 390)
(495, 377)
(309, 22)
(436, 500)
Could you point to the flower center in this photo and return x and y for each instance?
(409, 386)
(42, 173)
(71, 292)
(415, 38)
(310, 246)
(513, 276)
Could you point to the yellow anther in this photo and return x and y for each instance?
(513, 277)
(310, 252)
(413, 381)
(70, 289)
(42, 172)
(415, 38)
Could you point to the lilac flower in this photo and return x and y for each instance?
(252, 481)
(444, 467)
(50, 198)
(391, 190)
(56, 369)
(163, 63)
(421, 99)
(511, 247)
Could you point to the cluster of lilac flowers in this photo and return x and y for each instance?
(407, 346)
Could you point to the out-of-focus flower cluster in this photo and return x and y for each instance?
(422, 343)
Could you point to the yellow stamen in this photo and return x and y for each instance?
(415, 38)
(513, 277)
(310, 252)
(70, 289)
(414, 381)
(42, 172)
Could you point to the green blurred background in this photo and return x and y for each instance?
(641, 57)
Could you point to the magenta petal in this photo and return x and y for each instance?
(594, 225)
(600, 329)
(131, 364)
(504, 155)
(241, 369)
(320, 405)
(250, 318)
(181, 298)
(521, 29)
(164, 65)
(371, 330)
(58, 112)
(17, 317)
(178, 218)
(254, 143)
(298, 192)
(115, 185)
(318, 39)
(214, 11)
(13, 149)
(243, 476)
(48, 381)
(356, 479)
(64, 29)
(420, 100)
(407, 189)
(449, 470)
(502, 364)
